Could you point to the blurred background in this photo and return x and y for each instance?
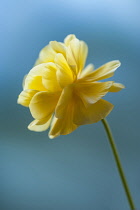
(77, 171)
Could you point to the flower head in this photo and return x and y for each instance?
(63, 94)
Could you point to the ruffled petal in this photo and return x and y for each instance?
(64, 73)
(104, 72)
(43, 104)
(91, 92)
(116, 87)
(25, 97)
(40, 125)
(49, 79)
(69, 38)
(93, 113)
(34, 78)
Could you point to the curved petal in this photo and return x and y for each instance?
(62, 126)
(64, 73)
(104, 72)
(49, 79)
(91, 114)
(79, 51)
(68, 39)
(43, 104)
(25, 97)
(40, 125)
(47, 54)
(86, 71)
(91, 92)
(65, 100)
(58, 47)
(116, 87)
(34, 78)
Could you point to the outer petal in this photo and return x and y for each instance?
(104, 72)
(68, 39)
(116, 87)
(25, 97)
(40, 125)
(49, 79)
(62, 127)
(43, 104)
(91, 114)
(91, 92)
(34, 78)
(47, 54)
(58, 47)
(64, 73)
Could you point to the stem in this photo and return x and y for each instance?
(118, 163)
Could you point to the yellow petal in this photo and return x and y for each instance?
(82, 55)
(23, 82)
(104, 72)
(64, 74)
(86, 71)
(68, 39)
(91, 92)
(65, 100)
(43, 104)
(62, 126)
(25, 97)
(34, 78)
(58, 47)
(79, 51)
(116, 87)
(47, 54)
(49, 79)
(40, 125)
(91, 114)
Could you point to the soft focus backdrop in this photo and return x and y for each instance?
(77, 171)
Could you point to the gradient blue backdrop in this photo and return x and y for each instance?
(77, 171)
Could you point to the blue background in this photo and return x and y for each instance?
(77, 171)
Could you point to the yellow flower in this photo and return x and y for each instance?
(61, 93)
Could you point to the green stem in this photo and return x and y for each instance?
(118, 163)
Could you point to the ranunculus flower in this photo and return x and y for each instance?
(63, 94)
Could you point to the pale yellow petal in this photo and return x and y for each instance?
(25, 97)
(86, 71)
(68, 39)
(93, 113)
(61, 127)
(49, 79)
(43, 104)
(65, 100)
(47, 54)
(64, 73)
(104, 72)
(58, 47)
(23, 82)
(71, 60)
(40, 125)
(91, 92)
(82, 55)
(78, 53)
(33, 79)
(116, 87)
